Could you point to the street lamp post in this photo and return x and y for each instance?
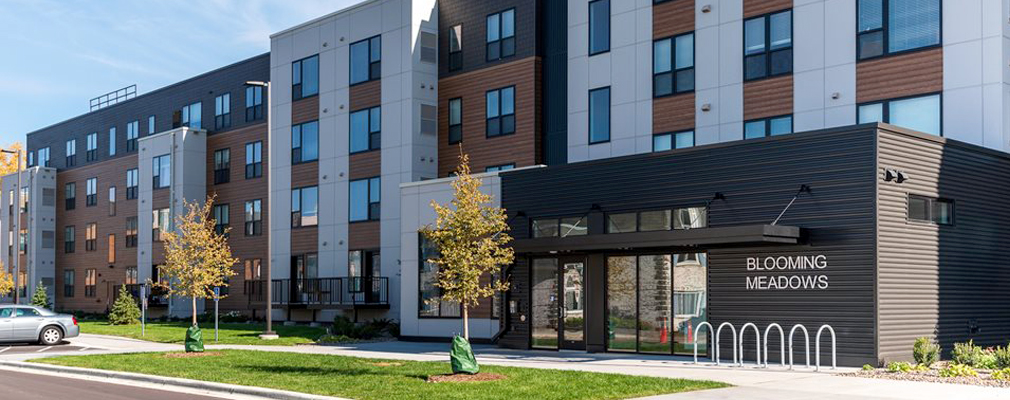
(269, 333)
(17, 224)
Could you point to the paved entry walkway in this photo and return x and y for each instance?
(750, 382)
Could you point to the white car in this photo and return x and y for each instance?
(36, 325)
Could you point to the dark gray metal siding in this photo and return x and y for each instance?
(758, 178)
(554, 28)
(936, 280)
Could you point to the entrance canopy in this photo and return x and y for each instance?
(745, 235)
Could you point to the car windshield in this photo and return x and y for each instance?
(5, 312)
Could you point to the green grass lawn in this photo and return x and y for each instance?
(362, 378)
(175, 332)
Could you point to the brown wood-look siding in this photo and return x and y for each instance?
(365, 95)
(305, 174)
(363, 235)
(522, 147)
(672, 18)
(753, 8)
(304, 240)
(235, 193)
(901, 75)
(673, 113)
(305, 110)
(365, 165)
(768, 97)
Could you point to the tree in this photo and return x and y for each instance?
(124, 311)
(197, 258)
(6, 281)
(40, 298)
(9, 162)
(472, 242)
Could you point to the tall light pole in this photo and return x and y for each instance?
(269, 333)
(17, 216)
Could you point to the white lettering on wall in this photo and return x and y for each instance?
(804, 277)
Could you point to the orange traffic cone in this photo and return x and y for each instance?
(690, 332)
(662, 333)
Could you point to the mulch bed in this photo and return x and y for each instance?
(192, 355)
(933, 375)
(481, 377)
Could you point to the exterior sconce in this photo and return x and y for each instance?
(836, 95)
(706, 8)
(706, 107)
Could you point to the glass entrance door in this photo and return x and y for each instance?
(558, 303)
(573, 310)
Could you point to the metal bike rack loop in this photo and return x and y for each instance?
(695, 342)
(757, 342)
(733, 330)
(817, 347)
(806, 337)
(782, 343)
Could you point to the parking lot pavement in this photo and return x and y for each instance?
(8, 350)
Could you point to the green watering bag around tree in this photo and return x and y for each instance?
(194, 340)
(462, 357)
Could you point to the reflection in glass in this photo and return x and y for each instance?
(622, 223)
(574, 226)
(575, 298)
(621, 300)
(690, 285)
(547, 227)
(655, 221)
(544, 307)
(654, 304)
(691, 217)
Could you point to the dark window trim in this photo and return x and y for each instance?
(222, 175)
(300, 206)
(223, 120)
(367, 110)
(458, 64)
(501, 38)
(768, 125)
(301, 82)
(673, 64)
(884, 30)
(638, 216)
(254, 112)
(589, 30)
(886, 107)
(589, 115)
(929, 210)
(370, 62)
(255, 226)
(256, 166)
(500, 115)
(673, 139)
(368, 193)
(420, 300)
(460, 124)
(301, 145)
(767, 51)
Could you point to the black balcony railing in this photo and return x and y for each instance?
(156, 296)
(322, 292)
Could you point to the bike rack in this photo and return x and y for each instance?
(733, 330)
(817, 347)
(782, 343)
(806, 337)
(757, 342)
(695, 341)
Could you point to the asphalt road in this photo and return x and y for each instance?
(24, 386)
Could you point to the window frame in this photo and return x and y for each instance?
(70, 196)
(157, 163)
(373, 207)
(132, 133)
(374, 138)
(130, 235)
(930, 202)
(499, 118)
(673, 139)
(254, 224)
(71, 152)
(91, 147)
(91, 236)
(301, 197)
(69, 276)
(768, 123)
(90, 282)
(884, 33)
(69, 239)
(222, 218)
(457, 126)
(298, 88)
(500, 42)
(589, 116)
(300, 159)
(91, 192)
(589, 30)
(373, 65)
(455, 62)
(253, 108)
(885, 111)
(255, 151)
(767, 52)
(674, 71)
(500, 167)
(222, 111)
(222, 166)
(188, 115)
(132, 174)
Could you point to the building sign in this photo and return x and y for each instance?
(787, 273)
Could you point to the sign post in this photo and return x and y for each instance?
(143, 310)
(217, 297)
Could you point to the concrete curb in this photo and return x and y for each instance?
(162, 380)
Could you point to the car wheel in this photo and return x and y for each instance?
(50, 335)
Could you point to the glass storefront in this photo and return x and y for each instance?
(545, 303)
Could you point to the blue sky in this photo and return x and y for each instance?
(58, 54)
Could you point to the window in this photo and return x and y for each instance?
(131, 232)
(192, 115)
(71, 152)
(932, 210)
(253, 269)
(895, 26)
(222, 166)
(132, 179)
(112, 248)
(455, 120)
(669, 141)
(673, 65)
(501, 35)
(366, 129)
(91, 237)
(501, 112)
(430, 303)
(429, 47)
(429, 119)
(91, 190)
(599, 26)
(365, 199)
(150, 125)
(48, 197)
(774, 126)
(305, 142)
(24, 199)
(304, 206)
(253, 103)
(222, 111)
(131, 276)
(499, 168)
(31, 160)
(90, 282)
(599, 115)
(112, 141)
(366, 60)
(768, 45)
(917, 113)
(68, 283)
(254, 217)
(44, 157)
(132, 131)
(559, 227)
(112, 200)
(23, 241)
(456, 48)
(159, 223)
(70, 195)
(658, 220)
(48, 239)
(69, 239)
(221, 219)
(162, 171)
(253, 160)
(92, 141)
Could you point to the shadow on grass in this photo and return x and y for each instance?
(281, 369)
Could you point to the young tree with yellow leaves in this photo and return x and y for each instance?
(472, 242)
(6, 281)
(9, 162)
(197, 258)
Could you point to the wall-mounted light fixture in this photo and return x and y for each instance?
(706, 8)
(706, 107)
(895, 176)
(836, 95)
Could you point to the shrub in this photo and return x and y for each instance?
(899, 366)
(1002, 374)
(972, 355)
(1002, 356)
(40, 298)
(925, 351)
(124, 311)
(957, 370)
(342, 326)
(867, 367)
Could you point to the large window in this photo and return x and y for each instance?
(132, 132)
(501, 112)
(657, 220)
(222, 111)
(455, 120)
(69, 239)
(673, 65)
(222, 166)
(132, 180)
(150, 125)
(132, 277)
(759, 128)
(560, 227)
(91, 191)
(112, 143)
(253, 269)
(430, 303)
(253, 103)
(70, 195)
(112, 248)
(669, 141)
(91, 237)
(131, 231)
(222, 219)
(305, 142)
(500, 167)
(44, 157)
(932, 210)
(305, 77)
(366, 130)
(68, 282)
(162, 171)
(254, 217)
(92, 142)
(895, 26)
(456, 48)
(160, 222)
(768, 45)
(365, 199)
(71, 152)
(917, 113)
(599, 115)
(90, 282)
(366, 60)
(501, 35)
(192, 115)
(599, 26)
(112, 200)
(304, 206)
(253, 160)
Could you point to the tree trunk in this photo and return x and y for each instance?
(466, 324)
(193, 300)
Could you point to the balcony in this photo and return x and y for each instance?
(322, 293)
